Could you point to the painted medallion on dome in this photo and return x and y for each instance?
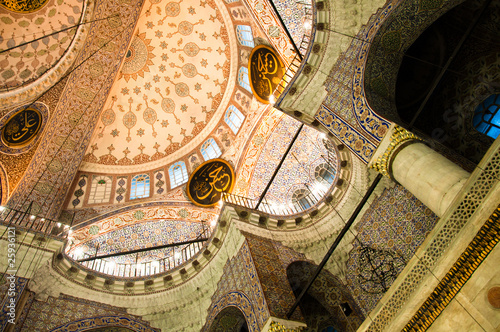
(209, 181)
(266, 71)
(22, 127)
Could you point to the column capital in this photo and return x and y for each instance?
(395, 139)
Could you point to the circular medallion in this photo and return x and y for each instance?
(149, 115)
(265, 72)
(168, 105)
(136, 57)
(182, 89)
(23, 7)
(494, 297)
(129, 120)
(108, 117)
(209, 181)
(22, 127)
(172, 9)
(185, 28)
(189, 70)
(191, 49)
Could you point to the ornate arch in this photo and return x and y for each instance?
(92, 323)
(385, 53)
(235, 299)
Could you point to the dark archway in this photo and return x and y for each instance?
(472, 76)
(328, 303)
(230, 319)
(406, 59)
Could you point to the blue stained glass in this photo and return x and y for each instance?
(487, 116)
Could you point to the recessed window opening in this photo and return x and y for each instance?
(140, 186)
(487, 116)
(210, 149)
(234, 118)
(243, 79)
(178, 174)
(245, 35)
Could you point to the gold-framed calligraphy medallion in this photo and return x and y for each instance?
(209, 181)
(22, 127)
(23, 6)
(265, 72)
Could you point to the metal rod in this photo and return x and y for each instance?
(335, 244)
(141, 250)
(278, 167)
(283, 25)
(55, 32)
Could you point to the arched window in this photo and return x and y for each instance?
(243, 78)
(140, 186)
(487, 116)
(178, 174)
(302, 200)
(210, 149)
(245, 36)
(101, 189)
(324, 173)
(234, 118)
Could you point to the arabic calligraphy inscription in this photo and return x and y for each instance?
(22, 127)
(23, 6)
(266, 71)
(209, 181)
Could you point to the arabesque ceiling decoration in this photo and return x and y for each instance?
(22, 22)
(171, 84)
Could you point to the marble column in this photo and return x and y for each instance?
(429, 176)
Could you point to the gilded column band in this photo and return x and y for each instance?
(399, 138)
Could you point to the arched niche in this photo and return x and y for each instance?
(106, 323)
(407, 57)
(327, 303)
(230, 319)
(111, 329)
(231, 301)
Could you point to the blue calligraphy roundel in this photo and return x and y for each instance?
(209, 181)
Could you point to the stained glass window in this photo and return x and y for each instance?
(324, 173)
(302, 200)
(100, 191)
(245, 36)
(140, 186)
(178, 174)
(210, 149)
(234, 118)
(487, 116)
(243, 79)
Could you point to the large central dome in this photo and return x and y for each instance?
(171, 84)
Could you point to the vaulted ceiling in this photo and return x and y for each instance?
(173, 87)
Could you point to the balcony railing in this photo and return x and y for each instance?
(303, 204)
(181, 254)
(27, 221)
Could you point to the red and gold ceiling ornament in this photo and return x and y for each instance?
(209, 181)
(265, 72)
